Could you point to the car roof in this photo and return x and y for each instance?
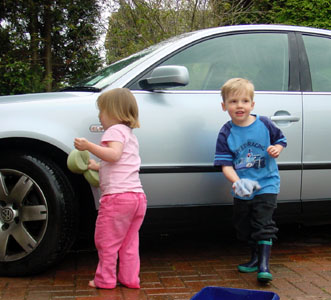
(258, 27)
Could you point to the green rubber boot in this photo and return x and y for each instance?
(252, 265)
(264, 274)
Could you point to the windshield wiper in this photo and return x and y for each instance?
(81, 89)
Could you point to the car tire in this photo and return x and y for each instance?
(38, 215)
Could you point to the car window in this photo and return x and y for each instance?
(319, 57)
(260, 57)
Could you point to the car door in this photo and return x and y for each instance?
(316, 180)
(180, 125)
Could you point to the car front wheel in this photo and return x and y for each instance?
(37, 214)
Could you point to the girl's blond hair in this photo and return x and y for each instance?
(120, 104)
(236, 86)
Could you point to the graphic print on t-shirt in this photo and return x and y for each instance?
(247, 158)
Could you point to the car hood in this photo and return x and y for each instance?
(43, 97)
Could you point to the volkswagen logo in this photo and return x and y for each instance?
(7, 215)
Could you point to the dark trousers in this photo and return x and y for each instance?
(253, 219)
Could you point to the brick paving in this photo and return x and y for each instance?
(177, 267)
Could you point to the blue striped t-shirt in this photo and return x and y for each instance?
(245, 148)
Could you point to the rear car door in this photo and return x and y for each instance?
(316, 180)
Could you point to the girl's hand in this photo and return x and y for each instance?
(93, 165)
(275, 150)
(81, 144)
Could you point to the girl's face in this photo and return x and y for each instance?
(107, 121)
(239, 107)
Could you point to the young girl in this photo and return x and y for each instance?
(123, 202)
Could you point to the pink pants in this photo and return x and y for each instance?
(117, 236)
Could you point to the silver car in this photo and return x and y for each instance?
(177, 86)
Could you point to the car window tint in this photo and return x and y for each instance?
(319, 56)
(260, 57)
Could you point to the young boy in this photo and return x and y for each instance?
(246, 149)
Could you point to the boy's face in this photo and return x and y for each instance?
(239, 106)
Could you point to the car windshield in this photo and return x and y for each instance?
(106, 76)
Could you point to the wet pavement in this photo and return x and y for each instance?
(175, 267)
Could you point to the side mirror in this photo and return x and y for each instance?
(165, 77)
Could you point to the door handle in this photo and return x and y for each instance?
(285, 118)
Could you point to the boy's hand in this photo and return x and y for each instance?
(274, 150)
(245, 187)
(81, 144)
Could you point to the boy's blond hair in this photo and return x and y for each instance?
(120, 104)
(237, 86)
